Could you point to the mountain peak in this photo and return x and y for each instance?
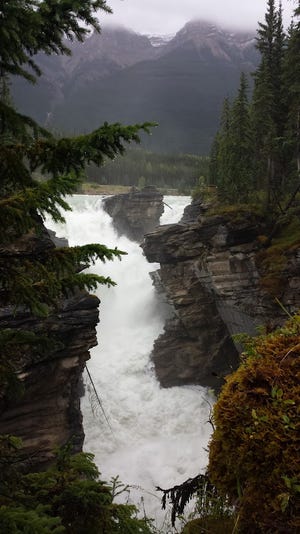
(208, 37)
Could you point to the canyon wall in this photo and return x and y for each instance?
(47, 414)
(212, 274)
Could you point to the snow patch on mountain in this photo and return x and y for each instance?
(160, 40)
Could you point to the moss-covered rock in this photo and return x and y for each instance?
(209, 525)
(254, 451)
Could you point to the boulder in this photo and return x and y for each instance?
(135, 213)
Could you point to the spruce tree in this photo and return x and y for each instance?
(214, 170)
(257, 147)
(241, 143)
(269, 102)
(292, 90)
(223, 147)
(231, 158)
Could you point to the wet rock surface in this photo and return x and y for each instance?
(47, 415)
(209, 273)
(135, 213)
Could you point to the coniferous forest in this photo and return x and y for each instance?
(139, 167)
(252, 483)
(255, 154)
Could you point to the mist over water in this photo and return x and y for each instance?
(149, 436)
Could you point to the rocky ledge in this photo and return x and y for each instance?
(47, 415)
(135, 213)
(211, 276)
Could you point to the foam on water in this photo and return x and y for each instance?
(155, 436)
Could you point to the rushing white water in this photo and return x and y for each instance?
(155, 436)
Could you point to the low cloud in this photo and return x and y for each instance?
(168, 16)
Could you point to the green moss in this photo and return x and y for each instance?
(209, 525)
(254, 451)
(273, 260)
(237, 213)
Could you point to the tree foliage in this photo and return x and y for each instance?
(32, 26)
(28, 27)
(231, 154)
(141, 167)
(67, 498)
(257, 154)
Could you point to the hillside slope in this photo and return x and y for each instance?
(121, 76)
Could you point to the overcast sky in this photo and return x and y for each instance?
(168, 16)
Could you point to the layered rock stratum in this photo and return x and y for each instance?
(135, 213)
(211, 275)
(47, 415)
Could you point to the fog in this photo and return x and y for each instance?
(168, 16)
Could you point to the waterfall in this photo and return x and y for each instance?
(149, 436)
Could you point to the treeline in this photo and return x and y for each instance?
(256, 152)
(140, 167)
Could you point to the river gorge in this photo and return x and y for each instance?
(147, 435)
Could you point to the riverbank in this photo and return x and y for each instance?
(88, 188)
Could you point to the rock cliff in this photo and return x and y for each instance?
(136, 213)
(47, 415)
(212, 276)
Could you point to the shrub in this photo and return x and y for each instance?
(68, 498)
(254, 450)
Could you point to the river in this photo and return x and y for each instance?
(146, 435)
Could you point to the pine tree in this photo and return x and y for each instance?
(269, 102)
(258, 146)
(292, 90)
(214, 171)
(223, 146)
(231, 158)
(241, 143)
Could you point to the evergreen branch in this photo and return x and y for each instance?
(38, 284)
(49, 23)
(77, 258)
(87, 281)
(207, 494)
(17, 211)
(180, 495)
(72, 154)
(15, 124)
(13, 216)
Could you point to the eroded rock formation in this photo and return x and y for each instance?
(135, 213)
(48, 414)
(210, 272)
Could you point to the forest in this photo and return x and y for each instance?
(140, 167)
(255, 155)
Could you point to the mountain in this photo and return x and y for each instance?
(209, 39)
(98, 57)
(121, 76)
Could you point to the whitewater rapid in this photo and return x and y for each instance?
(146, 435)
